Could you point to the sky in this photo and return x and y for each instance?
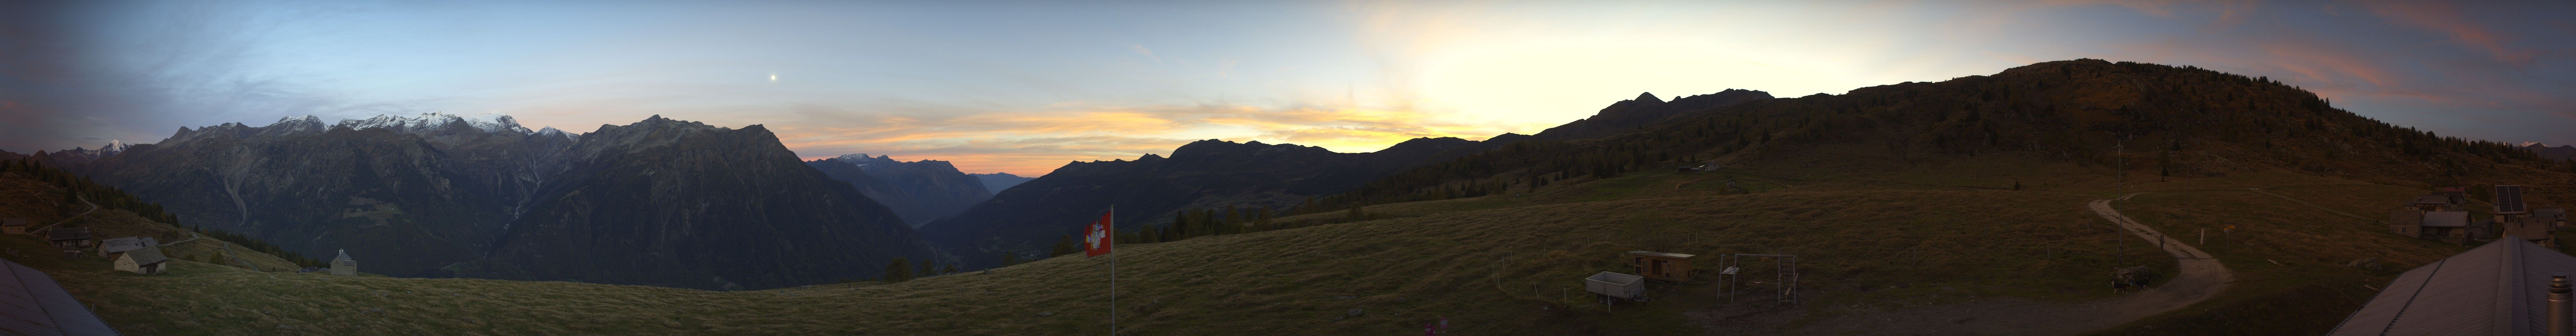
(1024, 87)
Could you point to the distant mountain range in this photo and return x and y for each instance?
(1629, 115)
(2557, 153)
(2155, 120)
(920, 191)
(1026, 219)
(997, 182)
(659, 202)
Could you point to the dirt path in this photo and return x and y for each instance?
(2201, 278)
(191, 236)
(2319, 207)
(93, 207)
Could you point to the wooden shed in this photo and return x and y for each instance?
(70, 238)
(2435, 202)
(2409, 223)
(2532, 229)
(1673, 267)
(13, 225)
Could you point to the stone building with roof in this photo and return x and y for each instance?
(146, 260)
(343, 265)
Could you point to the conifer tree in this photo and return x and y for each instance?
(897, 271)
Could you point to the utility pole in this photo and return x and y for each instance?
(2120, 155)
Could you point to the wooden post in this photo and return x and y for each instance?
(2204, 236)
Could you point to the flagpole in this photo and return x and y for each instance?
(1113, 268)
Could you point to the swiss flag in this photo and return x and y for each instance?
(1097, 242)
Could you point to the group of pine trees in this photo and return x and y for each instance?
(77, 189)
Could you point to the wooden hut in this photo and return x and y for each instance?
(69, 238)
(1673, 267)
(13, 225)
(2532, 229)
(147, 260)
(2456, 194)
(2430, 203)
(2449, 226)
(2556, 216)
(2408, 223)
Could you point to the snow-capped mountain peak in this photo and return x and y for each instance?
(112, 147)
(294, 125)
(487, 122)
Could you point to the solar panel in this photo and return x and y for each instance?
(2509, 199)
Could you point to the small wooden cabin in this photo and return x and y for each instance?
(2536, 230)
(1673, 267)
(2430, 203)
(2408, 223)
(147, 260)
(69, 238)
(15, 226)
(2456, 194)
(2448, 226)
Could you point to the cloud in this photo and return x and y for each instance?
(2446, 18)
(86, 70)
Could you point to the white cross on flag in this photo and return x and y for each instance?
(1097, 242)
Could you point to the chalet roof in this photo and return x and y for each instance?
(1661, 254)
(2431, 200)
(344, 256)
(2496, 289)
(2406, 217)
(13, 221)
(69, 233)
(32, 304)
(147, 256)
(2446, 218)
(114, 245)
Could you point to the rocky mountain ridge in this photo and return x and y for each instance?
(442, 195)
(920, 191)
(1024, 219)
(997, 182)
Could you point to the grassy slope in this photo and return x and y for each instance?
(1489, 264)
(1869, 239)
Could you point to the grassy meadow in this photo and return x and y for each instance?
(1510, 264)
